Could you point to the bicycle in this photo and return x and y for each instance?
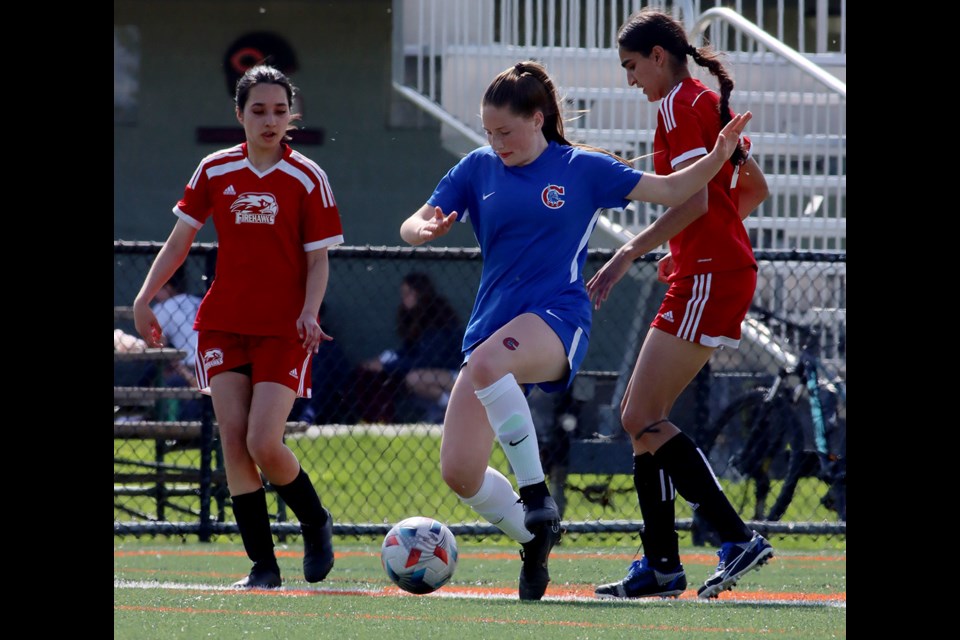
(761, 437)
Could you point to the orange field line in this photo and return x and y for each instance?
(560, 591)
(692, 558)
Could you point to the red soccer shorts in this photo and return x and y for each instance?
(708, 308)
(268, 359)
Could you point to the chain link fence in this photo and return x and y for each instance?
(370, 436)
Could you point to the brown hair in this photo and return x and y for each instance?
(526, 88)
(432, 310)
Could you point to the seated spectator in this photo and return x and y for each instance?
(330, 370)
(412, 382)
(127, 374)
(127, 343)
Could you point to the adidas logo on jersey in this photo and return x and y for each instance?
(668, 316)
(229, 191)
(294, 374)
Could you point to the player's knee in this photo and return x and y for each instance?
(635, 417)
(484, 369)
(654, 430)
(456, 479)
(264, 451)
(638, 423)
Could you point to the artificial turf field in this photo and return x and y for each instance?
(168, 590)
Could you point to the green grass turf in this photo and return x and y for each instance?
(176, 591)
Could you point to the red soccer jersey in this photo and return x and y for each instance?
(265, 222)
(687, 127)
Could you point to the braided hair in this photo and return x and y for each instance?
(648, 28)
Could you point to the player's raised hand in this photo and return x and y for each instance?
(730, 135)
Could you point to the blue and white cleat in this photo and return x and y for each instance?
(643, 581)
(736, 559)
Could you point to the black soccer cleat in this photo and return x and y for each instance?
(317, 549)
(534, 574)
(262, 576)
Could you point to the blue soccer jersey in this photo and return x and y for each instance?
(533, 224)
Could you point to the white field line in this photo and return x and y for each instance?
(450, 592)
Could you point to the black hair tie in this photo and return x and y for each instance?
(519, 68)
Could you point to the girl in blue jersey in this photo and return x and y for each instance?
(533, 199)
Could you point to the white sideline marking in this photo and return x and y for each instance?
(451, 592)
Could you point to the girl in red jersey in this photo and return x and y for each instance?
(712, 275)
(275, 217)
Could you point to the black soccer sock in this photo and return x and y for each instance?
(253, 520)
(302, 498)
(656, 497)
(698, 485)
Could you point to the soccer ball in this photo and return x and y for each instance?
(419, 554)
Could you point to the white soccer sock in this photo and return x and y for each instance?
(509, 415)
(500, 505)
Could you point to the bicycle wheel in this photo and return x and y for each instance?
(833, 470)
(791, 454)
(756, 442)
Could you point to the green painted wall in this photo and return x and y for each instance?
(380, 173)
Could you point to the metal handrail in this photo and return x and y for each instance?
(439, 113)
(791, 55)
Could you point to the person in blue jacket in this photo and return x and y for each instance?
(418, 375)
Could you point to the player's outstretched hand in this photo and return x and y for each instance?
(439, 225)
(609, 274)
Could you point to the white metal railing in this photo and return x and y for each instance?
(799, 131)
(447, 51)
(808, 26)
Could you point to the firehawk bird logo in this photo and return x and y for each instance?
(254, 208)
(212, 358)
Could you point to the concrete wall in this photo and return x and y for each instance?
(380, 173)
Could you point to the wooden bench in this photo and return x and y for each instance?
(162, 480)
(162, 354)
(154, 475)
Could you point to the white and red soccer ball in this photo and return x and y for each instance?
(419, 554)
